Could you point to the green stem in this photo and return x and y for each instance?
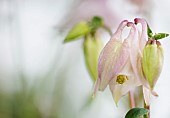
(107, 29)
(147, 107)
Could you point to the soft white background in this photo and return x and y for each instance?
(32, 43)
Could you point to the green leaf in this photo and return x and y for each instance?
(160, 36)
(80, 29)
(136, 112)
(149, 32)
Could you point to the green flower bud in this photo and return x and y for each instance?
(92, 48)
(152, 61)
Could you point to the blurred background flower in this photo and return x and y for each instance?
(42, 77)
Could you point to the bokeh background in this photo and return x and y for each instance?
(40, 77)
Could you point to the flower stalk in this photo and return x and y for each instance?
(132, 99)
(147, 107)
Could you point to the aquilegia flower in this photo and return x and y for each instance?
(114, 66)
(136, 60)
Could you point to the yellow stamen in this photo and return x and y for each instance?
(121, 79)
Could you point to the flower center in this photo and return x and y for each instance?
(121, 79)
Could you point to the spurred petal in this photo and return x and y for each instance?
(139, 43)
(112, 58)
(117, 35)
(117, 87)
(146, 95)
(144, 35)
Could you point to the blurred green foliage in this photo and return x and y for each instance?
(40, 100)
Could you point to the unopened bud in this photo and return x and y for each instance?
(152, 61)
(92, 48)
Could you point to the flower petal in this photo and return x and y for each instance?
(118, 33)
(134, 52)
(144, 36)
(119, 90)
(112, 58)
(113, 63)
(146, 95)
(138, 45)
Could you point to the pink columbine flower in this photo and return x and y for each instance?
(114, 66)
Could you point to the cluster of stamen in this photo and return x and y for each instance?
(121, 79)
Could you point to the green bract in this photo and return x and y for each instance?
(92, 48)
(160, 36)
(152, 62)
(149, 31)
(80, 29)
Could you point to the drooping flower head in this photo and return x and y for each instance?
(112, 58)
(114, 66)
(125, 80)
(126, 63)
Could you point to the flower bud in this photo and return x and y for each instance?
(92, 48)
(152, 61)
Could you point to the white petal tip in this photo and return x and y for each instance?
(154, 94)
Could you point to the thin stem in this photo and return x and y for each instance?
(107, 29)
(147, 107)
(132, 99)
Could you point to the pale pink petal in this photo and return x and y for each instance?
(154, 93)
(113, 63)
(144, 35)
(137, 44)
(96, 87)
(119, 90)
(108, 47)
(117, 35)
(133, 34)
(134, 52)
(112, 58)
(146, 95)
